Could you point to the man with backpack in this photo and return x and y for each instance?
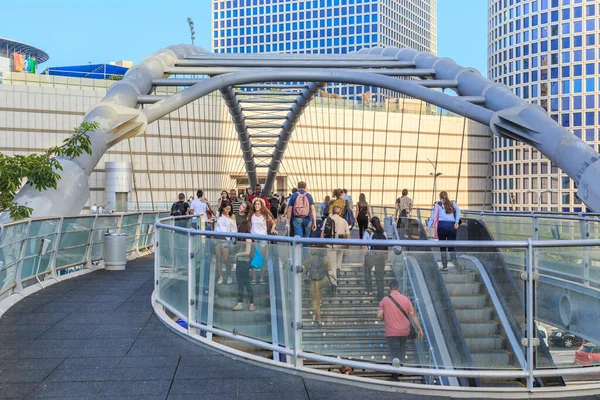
(179, 209)
(335, 227)
(301, 212)
(317, 270)
(376, 256)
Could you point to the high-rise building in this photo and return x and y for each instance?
(547, 52)
(322, 26)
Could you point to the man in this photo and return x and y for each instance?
(274, 205)
(397, 325)
(94, 208)
(235, 202)
(403, 210)
(258, 193)
(301, 212)
(334, 254)
(180, 208)
(198, 209)
(348, 198)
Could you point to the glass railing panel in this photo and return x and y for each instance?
(10, 253)
(567, 305)
(254, 302)
(43, 228)
(7, 277)
(129, 226)
(509, 227)
(560, 229)
(173, 269)
(593, 228)
(13, 233)
(72, 255)
(102, 225)
(75, 224)
(35, 265)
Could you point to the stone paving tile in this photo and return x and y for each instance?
(92, 374)
(140, 373)
(149, 361)
(81, 390)
(222, 386)
(16, 390)
(136, 388)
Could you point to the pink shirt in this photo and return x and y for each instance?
(396, 324)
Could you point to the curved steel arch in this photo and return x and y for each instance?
(506, 114)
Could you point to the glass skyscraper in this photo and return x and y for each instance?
(547, 52)
(322, 26)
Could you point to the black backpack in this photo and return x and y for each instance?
(379, 236)
(329, 228)
(178, 209)
(326, 211)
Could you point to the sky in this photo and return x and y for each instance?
(75, 32)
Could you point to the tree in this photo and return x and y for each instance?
(39, 170)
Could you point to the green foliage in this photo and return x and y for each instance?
(39, 170)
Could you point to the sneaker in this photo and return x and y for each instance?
(253, 282)
(252, 307)
(220, 280)
(229, 280)
(262, 282)
(238, 307)
(320, 323)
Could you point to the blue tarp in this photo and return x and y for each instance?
(91, 71)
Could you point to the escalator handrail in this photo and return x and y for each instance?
(500, 311)
(423, 306)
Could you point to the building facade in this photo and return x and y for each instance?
(322, 26)
(547, 52)
(376, 151)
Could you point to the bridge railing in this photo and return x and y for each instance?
(285, 323)
(71, 244)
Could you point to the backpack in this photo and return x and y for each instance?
(178, 209)
(329, 228)
(379, 236)
(317, 272)
(349, 216)
(301, 206)
(326, 211)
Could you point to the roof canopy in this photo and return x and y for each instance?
(91, 71)
(12, 46)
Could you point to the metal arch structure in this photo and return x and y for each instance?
(477, 98)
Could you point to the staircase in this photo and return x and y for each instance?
(480, 326)
(350, 328)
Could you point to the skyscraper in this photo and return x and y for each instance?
(547, 51)
(322, 26)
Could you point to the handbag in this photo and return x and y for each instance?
(412, 334)
(258, 260)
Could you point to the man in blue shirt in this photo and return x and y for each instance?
(301, 212)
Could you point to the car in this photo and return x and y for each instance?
(542, 334)
(565, 339)
(588, 354)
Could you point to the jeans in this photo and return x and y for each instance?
(363, 224)
(377, 260)
(397, 347)
(242, 274)
(446, 231)
(302, 226)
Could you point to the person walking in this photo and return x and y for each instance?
(199, 208)
(395, 310)
(338, 201)
(258, 194)
(447, 215)
(301, 212)
(225, 222)
(178, 209)
(224, 197)
(317, 269)
(348, 198)
(403, 210)
(376, 256)
(325, 207)
(363, 214)
(274, 202)
(236, 201)
(335, 255)
(261, 222)
(242, 269)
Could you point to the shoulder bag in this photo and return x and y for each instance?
(412, 334)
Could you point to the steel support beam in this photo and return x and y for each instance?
(212, 71)
(252, 62)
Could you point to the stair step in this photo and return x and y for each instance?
(459, 277)
(479, 328)
(473, 301)
(491, 358)
(462, 289)
(474, 314)
(485, 342)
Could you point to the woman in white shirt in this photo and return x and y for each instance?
(225, 223)
(261, 222)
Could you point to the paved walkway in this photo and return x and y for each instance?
(95, 337)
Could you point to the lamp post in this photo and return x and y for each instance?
(435, 175)
(540, 196)
(192, 32)
(511, 197)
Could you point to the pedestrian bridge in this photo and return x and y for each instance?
(521, 271)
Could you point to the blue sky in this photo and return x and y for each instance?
(74, 32)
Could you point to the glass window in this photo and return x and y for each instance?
(577, 119)
(589, 133)
(566, 104)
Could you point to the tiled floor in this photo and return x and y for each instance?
(95, 337)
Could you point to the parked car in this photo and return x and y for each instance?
(542, 334)
(588, 354)
(565, 339)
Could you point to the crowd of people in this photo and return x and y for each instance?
(257, 214)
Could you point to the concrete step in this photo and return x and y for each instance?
(472, 301)
(491, 358)
(485, 342)
(474, 314)
(480, 328)
(459, 277)
(463, 289)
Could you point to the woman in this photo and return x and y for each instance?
(325, 207)
(375, 257)
(242, 269)
(338, 201)
(363, 214)
(261, 222)
(243, 212)
(224, 197)
(447, 214)
(225, 223)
